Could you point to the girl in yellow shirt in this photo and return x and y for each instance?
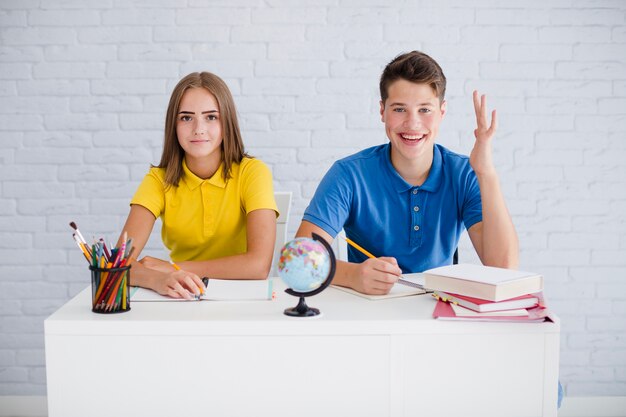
(216, 203)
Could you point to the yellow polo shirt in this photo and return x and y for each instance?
(206, 219)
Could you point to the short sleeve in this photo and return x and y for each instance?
(330, 206)
(472, 203)
(257, 187)
(151, 193)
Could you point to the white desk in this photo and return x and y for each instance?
(360, 358)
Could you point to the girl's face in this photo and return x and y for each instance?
(198, 127)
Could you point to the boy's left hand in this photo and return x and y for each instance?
(481, 156)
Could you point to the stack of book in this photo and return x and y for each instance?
(483, 293)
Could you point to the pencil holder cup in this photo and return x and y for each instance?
(110, 289)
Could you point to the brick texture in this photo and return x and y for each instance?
(84, 86)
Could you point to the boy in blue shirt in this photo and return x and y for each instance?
(409, 200)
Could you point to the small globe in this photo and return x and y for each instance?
(304, 264)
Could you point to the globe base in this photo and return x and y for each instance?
(302, 310)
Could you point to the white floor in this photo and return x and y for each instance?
(35, 406)
(593, 407)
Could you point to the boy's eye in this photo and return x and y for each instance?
(399, 109)
(425, 110)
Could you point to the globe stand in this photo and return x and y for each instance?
(302, 310)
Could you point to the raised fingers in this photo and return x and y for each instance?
(494, 122)
(477, 107)
(480, 106)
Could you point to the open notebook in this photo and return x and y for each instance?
(409, 284)
(216, 290)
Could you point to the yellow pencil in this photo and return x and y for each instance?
(369, 255)
(357, 247)
(176, 267)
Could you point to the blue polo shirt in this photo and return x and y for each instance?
(379, 210)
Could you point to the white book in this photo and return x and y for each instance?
(465, 312)
(216, 290)
(485, 282)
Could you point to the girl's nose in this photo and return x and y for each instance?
(198, 129)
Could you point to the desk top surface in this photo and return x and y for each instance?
(342, 313)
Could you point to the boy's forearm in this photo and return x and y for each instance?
(500, 245)
(344, 275)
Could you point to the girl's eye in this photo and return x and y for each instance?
(212, 117)
(185, 118)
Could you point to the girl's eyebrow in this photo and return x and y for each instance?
(204, 112)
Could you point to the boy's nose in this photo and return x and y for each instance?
(413, 121)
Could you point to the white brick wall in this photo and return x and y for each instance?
(84, 86)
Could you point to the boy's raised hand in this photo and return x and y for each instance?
(481, 156)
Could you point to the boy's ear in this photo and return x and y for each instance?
(382, 111)
(444, 108)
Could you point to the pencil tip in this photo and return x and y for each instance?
(73, 225)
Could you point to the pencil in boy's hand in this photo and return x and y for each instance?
(359, 248)
(369, 255)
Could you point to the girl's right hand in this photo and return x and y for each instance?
(180, 284)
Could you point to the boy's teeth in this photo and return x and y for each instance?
(412, 137)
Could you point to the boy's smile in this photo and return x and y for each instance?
(412, 114)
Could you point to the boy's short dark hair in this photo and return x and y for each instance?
(416, 67)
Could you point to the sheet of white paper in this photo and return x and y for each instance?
(218, 290)
(398, 290)
(464, 312)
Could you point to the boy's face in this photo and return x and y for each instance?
(412, 114)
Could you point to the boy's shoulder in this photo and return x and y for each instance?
(448, 154)
(369, 154)
(449, 157)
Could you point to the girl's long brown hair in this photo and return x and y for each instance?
(232, 144)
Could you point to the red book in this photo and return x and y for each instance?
(483, 306)
(444, 311)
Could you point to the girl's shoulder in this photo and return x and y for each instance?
(249, 165)
(156, 174)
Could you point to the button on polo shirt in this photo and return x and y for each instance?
(378, 209)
